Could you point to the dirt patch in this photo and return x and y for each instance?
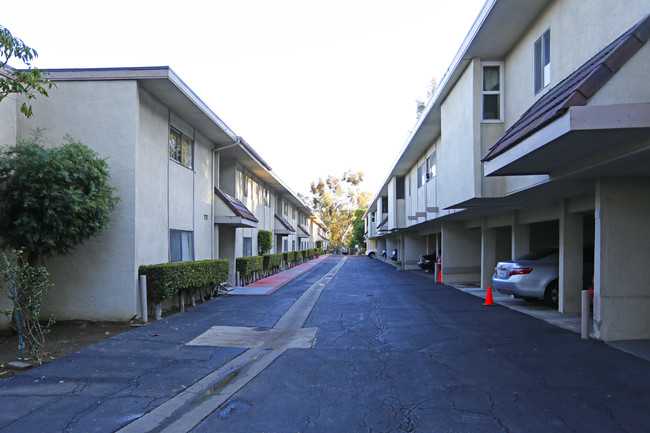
(64, 338)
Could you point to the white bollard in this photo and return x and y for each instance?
(585, 314)
(143, 298)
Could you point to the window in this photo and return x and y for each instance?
(267, 198)
(293, 245)
(542, 55)
(285, 245)
(247, 186)
(420, 175)
(409, 185)
(286, 208)
(248, 247)
(181, 246)
(431, 166)
(180, 148)
(492, 91)
(372, 217)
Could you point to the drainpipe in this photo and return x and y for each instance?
(216, 156)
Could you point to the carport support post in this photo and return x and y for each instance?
(585, 314)
(488, 255)
(143, 299)
(570, 271)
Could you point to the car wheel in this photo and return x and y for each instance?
(552, 294)
(371, 255)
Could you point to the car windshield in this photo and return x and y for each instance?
(540, 254)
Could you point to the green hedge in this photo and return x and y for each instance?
(289, 256)
(247, 265)
(271, 261)
(166, 279)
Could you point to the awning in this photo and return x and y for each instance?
(282, 226)
(303, 232)
(560, 130)
(383, 223)
(231, 211)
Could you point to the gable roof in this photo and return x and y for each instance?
(576, 89)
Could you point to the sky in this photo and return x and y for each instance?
(315, 87)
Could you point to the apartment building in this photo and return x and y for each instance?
(537, 136)
(189, 187)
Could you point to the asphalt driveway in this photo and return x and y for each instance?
(351, 345)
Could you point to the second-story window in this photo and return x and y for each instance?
(542, 59)
(431, 166)
(421, 175)
(492, 92)
(267, 198)
(180, 148)
(247, 186)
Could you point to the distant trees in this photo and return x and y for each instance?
(358, 229)
(28, 82)
(335, 200)
(422, 103)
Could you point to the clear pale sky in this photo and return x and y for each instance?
(316, 87)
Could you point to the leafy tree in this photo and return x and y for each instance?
(358, 230)
(52, 199)
(28, 82)
(422, 103)
(335, 200)
(264, 241)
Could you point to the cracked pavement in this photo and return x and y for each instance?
(393, 353)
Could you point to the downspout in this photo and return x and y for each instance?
(216, 156)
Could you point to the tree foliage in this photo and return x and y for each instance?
(52, 199)
(28, 82)
(358, 230)
(422, 102)
(335, 200)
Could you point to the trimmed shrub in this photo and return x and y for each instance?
(289, 256)
(271, 261)
(264, 241)
(247, 265)
(166, 279)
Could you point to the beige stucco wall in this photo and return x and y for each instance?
(630, 84)
(151, 194)
(457, 152)
(575, 38)
(98, 281)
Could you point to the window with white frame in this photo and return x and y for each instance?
(181, 246)
(431, 166)
(248, 247)
(267, 198)
(492, 91)
(285, 245)
(247, 185)
(181, 148)
(421, 168)
(542, 60)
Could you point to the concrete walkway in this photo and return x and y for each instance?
(270, 284)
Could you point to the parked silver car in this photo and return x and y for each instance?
(531, 276)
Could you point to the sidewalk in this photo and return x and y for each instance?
(268, 285)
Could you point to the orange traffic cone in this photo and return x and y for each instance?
(439, 274)
(488, 298)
